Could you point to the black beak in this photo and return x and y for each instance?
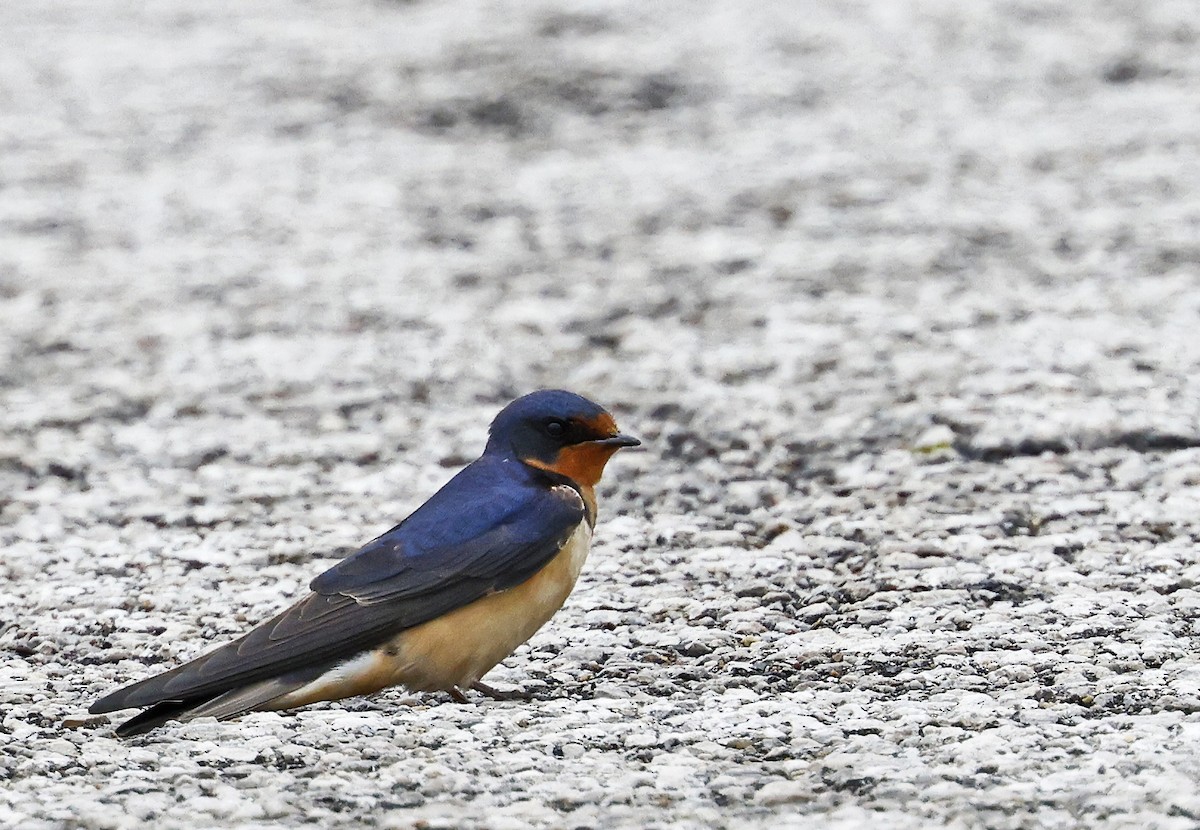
(618, 440)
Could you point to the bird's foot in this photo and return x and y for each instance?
(498, 694)
(459, 696)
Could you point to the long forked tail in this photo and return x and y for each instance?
(223, 705)
(155, 717)
(283, 654)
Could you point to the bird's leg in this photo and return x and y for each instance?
(459, 696)
(497, 694)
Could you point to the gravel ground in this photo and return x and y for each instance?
(902, 296)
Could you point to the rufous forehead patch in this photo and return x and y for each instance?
(602, 424)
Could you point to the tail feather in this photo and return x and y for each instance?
(251, 698)
(148, 692)
(155, 717)
(222, 706)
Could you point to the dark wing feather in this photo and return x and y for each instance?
(485, 531)
(484, 524)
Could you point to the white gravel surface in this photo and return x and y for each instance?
(903, 296)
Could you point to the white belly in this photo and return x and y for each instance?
(458, 648)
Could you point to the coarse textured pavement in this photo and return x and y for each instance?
(903, 296)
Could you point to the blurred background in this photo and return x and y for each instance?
(768, 221)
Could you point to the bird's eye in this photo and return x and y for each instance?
(555, 428)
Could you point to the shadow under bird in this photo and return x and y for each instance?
(432, 604)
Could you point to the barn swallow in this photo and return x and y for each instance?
(435, 602)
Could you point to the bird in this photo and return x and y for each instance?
(432, 604)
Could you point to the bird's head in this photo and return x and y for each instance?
(558, 431)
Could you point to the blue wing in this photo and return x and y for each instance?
(490, 528)
(491, 522)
